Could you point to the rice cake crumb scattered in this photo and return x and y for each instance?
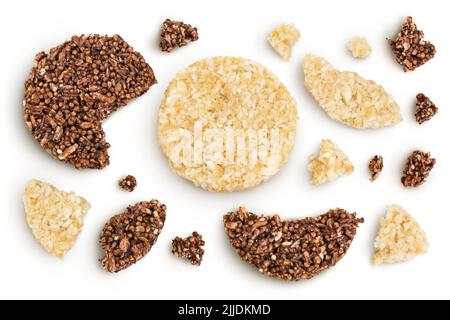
(329, 165)
(190, 248)
(283, 38)
(376, 166)
(54, 216)
(425, 109)
(410, 49)
(234, 120)
(348, 98)
(417, 169)
(291, 250)
(176, 34)
(129, 183)
(359, 47)
(399, 239)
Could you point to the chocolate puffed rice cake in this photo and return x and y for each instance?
(129, 236)
(291, 250)
(74, 87)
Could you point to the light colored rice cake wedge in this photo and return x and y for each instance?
(399, 239)
(330, 164)
(54, 216)
(348, 98)
(227, 124)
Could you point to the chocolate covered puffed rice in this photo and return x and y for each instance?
(176, 34)
(425, 109)
(129, 236)
(399, 239)
(129, 183)
(330, 164)
(410, 49)
(190, 248)
(417, 169)
(291, 250)
(54, 216)
(283, 38)
(376, 165)
(74, 87)
(348, 98)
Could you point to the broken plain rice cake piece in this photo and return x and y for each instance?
(54, 216)
(399, 239)
(348, 98)
(359, 47)
(227, 124)
(283, 38)
(329, 165)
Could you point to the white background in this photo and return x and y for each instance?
(227, 28)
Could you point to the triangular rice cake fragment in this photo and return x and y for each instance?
(54, 216)
(329, 165)
(399, 239)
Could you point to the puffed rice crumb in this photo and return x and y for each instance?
(329, 165)
(399, 239)
(348, 98)
(283, 38)
(359, 47)
(54, 216)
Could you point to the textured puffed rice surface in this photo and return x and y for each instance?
(348, 98)
(227, 92)
(54, 216)
(283, 38)
(330, 164)
(399, 239)
(359, 47)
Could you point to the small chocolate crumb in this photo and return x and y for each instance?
(410, 49)
(129, 236)
(291, 250)
(376, 167)
(176, 34)
(417, 169)
(189, 248)
(425, 109)
(128, 183)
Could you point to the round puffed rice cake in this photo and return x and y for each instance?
(227, 124)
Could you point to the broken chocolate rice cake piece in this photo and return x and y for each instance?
(190, 248)
(291, 250)
(425, 109)
(129, 236)
(176, 34)
(417, 169)
(74, 87)
(410, 49)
